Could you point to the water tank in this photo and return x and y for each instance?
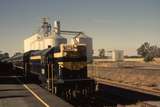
(83, 39)
(117, 55)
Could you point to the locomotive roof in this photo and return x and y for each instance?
(17, 56)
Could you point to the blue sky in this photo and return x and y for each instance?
(113, 24)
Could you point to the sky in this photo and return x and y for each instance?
(113, 24)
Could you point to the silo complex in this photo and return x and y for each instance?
(49, 36)
(46, 37)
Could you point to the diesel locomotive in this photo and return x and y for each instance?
(61, 69)
(56, 65)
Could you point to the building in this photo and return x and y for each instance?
(50, 37)
(46, 37)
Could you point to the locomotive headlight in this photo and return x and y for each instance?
(76, 49)
(65, 54)
(43, 71)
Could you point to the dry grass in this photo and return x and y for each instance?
(134, 73)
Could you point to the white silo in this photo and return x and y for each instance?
(117, 55)
(58, 39)
(48, 42)
(83, 39)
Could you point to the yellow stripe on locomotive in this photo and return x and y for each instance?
(35, 57)
(73, 65)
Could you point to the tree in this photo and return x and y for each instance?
(101, 53)
(147, 51)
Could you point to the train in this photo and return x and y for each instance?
(62, 69)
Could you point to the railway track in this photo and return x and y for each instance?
(120, 98)
(100, 99)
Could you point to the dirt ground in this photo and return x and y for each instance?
(130, 72)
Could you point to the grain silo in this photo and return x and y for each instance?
(46, 37)
(83, 39)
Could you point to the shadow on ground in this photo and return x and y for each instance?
(125, 97)
(12, 96)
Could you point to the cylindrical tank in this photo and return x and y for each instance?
(57, 27)
(36, 43)
(117, 55)
(48, 42)
(41, 43)
(58, 39)
(83, 39)
(29, 43)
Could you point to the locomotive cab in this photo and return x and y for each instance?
(71, 61)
